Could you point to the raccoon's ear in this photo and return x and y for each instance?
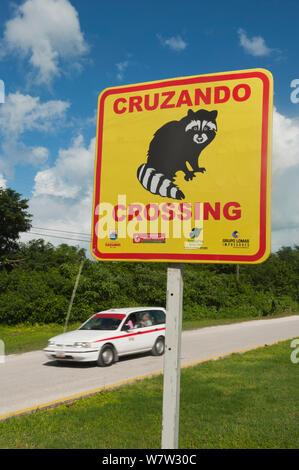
(214, 114)
(190, 112)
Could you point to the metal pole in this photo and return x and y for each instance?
(172, 358)
(73, 296)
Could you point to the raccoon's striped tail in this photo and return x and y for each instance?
(157, 183)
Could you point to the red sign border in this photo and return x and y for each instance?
(189, 257)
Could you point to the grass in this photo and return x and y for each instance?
(244, 401)
(24, 338)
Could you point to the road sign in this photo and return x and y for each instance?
(182, 170)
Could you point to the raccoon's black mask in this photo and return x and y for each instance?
(201, 126)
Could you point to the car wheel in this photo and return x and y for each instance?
(106, 356)
(159, 347)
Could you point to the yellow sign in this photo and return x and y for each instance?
(182, 171)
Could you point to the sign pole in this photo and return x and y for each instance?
(73, 296)
(172, 358)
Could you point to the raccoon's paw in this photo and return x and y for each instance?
(189, 175)
(201, 170)
(180, 195)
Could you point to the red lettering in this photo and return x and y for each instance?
(134, 211)
(185, 211)
(247, 92)
(184, 98)
(199, 95)
(147, 209)
(135, 102)
(169, 95)
(197, 211)
(208, 209)
(149, 107)
(150, 102)
(167, 208)
(235, 214)
(116, 108)
(217, 94)
(115, 213)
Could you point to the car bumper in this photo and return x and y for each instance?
(75, 356)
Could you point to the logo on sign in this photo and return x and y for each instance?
(195, 232)
(113, 234)
(149, 238)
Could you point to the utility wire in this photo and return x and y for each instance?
(55, 236)
(63, 231)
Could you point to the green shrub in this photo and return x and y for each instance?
(40, 287)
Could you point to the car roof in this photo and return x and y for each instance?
(130, 310)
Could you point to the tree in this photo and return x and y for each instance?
(14, 218)
(39, 255)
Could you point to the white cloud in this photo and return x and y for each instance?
(48, 32)
(26, 113)
(2, 181)
(38, 155)
(20, 114)
(70, 175)
(255, 46)
(285, 141)
(121, 67)
(176, 43)
(62, 197)
(285, 176)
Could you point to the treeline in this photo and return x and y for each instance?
(36, 283)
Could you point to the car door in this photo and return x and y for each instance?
(147, 333)
(130, 340)
(158, 318)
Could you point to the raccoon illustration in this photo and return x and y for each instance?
(173, 145)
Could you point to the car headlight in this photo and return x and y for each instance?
(51, 343)
(83, 345)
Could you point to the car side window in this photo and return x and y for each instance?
(145, 319)
(132, 321)
(158, 317)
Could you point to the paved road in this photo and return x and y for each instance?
(29, 380)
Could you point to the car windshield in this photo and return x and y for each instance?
(103, 322)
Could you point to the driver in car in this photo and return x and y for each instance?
(145, 320)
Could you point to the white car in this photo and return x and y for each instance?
(110, 334)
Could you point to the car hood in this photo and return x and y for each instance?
(83, 336)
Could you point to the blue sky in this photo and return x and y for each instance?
(57, 55)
